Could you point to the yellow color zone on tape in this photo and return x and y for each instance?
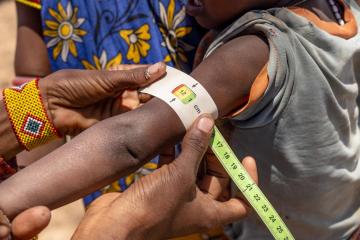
(248, 187)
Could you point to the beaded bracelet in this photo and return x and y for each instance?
(28, 116)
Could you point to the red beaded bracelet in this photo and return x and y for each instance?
(7, 168)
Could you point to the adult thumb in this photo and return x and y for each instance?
(135, 77)
(195, 144)
(30, 223)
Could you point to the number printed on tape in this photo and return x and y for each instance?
(248, 187)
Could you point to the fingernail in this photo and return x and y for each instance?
(205, 124)
(155, 68)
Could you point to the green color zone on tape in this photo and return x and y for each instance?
(248, 187)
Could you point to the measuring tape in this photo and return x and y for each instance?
(189, 99)
(248, 187)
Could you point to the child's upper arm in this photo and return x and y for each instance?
(31, 58)
(229, 73)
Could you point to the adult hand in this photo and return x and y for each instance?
(168, 202)
(77, 99)
(26, 225)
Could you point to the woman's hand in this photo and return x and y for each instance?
(166, 203)
(77, 99)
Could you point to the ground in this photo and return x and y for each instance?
(64, 220)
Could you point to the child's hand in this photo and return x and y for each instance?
(166, 203)
(78, 99)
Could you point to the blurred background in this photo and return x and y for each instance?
(66, 219)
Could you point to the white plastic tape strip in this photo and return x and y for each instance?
(187, 97)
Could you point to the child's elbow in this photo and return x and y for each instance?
(118, 145)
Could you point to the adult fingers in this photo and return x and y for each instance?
(123, 67)
(144, 97)
(195, 144)
(4, 232)
(4, 226)
(30, 223)
(131, 79)
(230, 211)
(216, 182)
(130, 100)
(217, 188)
(250, 165)
(167, 155)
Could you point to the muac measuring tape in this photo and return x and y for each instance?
(189, 99)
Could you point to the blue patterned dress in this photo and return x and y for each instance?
(99, 34)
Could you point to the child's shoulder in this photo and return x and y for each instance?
(244, 55)
(234, 67)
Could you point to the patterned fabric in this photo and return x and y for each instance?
(104, 33)
(28, 116)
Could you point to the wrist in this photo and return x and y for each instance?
(28, 116)
(43, 85)
(9, 145)
(61, 115)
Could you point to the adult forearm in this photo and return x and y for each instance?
(9, 145)
(97, 157)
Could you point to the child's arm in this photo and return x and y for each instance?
(121, 144)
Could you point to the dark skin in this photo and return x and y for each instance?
(78, 99)
(75, 100)
(30, 61)
(105, 154)
(215, 14)
(176, 181)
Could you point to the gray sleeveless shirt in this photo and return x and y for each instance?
(304, 131)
